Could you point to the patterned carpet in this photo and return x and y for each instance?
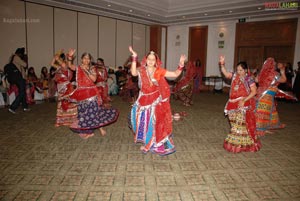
(41, 162)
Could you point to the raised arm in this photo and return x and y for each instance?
(178, 71)
(228, 75)
(70, 58)
(133, 69)
(56, 62)
(282, 78)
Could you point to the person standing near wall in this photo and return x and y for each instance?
(18, 59)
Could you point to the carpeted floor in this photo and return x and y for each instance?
(41, 162)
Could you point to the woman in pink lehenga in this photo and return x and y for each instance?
(184, 88)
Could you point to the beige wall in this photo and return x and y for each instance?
(107, 40)
(124, 40)
(12, 28)
(39, 36)
(65, 30)
(49, 29)
(87, 35)
(139, 39)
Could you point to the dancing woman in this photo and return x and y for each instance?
(266, 113)
(66, 112)
(184, 88)
(91, 113)
(240, 110)
(151, 119)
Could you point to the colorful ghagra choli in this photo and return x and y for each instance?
(151, 119)
(267, 117)
(66, 112)
(91, 114)
(266, 107)
(101, 83)
(242, 135)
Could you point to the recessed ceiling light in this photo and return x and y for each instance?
(183, 17)
(148, 15)
(131, 11)
(259, 8)
(109, 5)
(205, 14)
(230, 11)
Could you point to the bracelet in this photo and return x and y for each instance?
(70, 58)
(180, 67)
(221, 63)
(134, 58)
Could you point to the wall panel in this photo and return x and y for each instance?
(139, 39)
(107, 40)
(124, 39)
(12, 23)
(65, 30)
(87, 34)
(39, 33)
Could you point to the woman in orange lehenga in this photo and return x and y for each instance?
(66, 112)
(240, 110)
(151, 118)
(266, 112)
(184, 88)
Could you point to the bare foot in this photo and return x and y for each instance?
(186, 104)
(142, 148)
(102, 131)
(269, 132)
(86, 136)
(282, 126)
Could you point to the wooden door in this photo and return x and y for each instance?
(198, 45)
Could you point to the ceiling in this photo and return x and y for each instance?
(173, 12)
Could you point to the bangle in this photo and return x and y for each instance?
(70, 58)
(134, 58)
(180, 67)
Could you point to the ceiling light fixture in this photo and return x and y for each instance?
(148, 15)
(131, 11)
(109, 5)
(230, 11)
(259, 8)
(205, 14)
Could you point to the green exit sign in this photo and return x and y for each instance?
(242, 20)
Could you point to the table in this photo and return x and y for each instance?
(211, 82)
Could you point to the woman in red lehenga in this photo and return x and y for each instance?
(66, 112)
(91, 114)
(101, 81)
(151, 119)
(240, 110)
(184, 88)
(266, 113)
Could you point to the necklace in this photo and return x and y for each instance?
(150, 76)
(240, 80)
